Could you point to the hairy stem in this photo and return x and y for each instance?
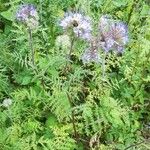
(31, 46)
(73, 117)
(71, 47)
(33, 59)
(104, 66)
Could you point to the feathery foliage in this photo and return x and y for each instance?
(51, 100)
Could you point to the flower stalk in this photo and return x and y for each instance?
(31, 47)
(73, 117)
(71, 48)
(104, 66)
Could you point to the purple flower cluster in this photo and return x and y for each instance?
(91, 54)
(80, 25)
(114, 35)
(28, 15)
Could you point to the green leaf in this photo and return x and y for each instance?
(51, 121)
(26, 80)
(8, 15)
(120, 3)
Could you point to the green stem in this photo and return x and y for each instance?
(31, 46)
(104, 66)
(71, 47)
(32, 57)
(73, 117)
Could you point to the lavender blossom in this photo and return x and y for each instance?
(114, 35)
(91, 54)
(28, 15)
(80, 25)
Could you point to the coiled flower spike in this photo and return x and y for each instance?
(80, 25)
(114, 35)
(28, 15)
(91, 54)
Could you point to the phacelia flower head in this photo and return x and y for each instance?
(91, 54)
(7, 102)
(80, 25)
(63, 41)
(114, 35)
(28, 15)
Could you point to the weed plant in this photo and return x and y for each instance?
(75, 75)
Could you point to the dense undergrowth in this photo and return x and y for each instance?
(56, 105)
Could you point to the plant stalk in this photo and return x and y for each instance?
(31, 47)
(73, 117)
(104, 66)
(71, 48)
